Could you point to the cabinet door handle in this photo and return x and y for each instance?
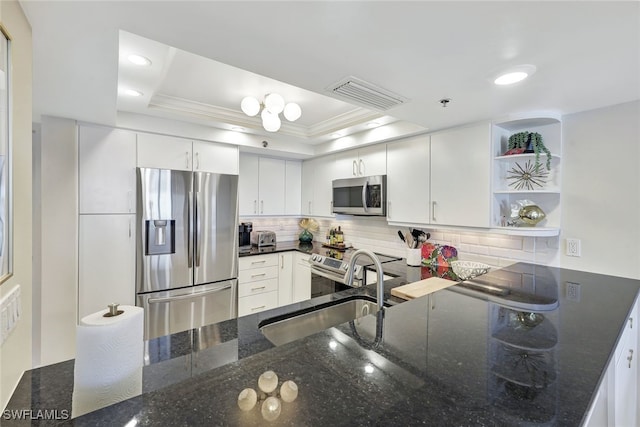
(630, 357)
(282, 262)
(186, 159)
(197, 160)
(309, 206)
(433, 211)
(331, 206)
(258, 275)
(261, 206)
(361, 168)
(129, 228)
(259, 262)
(630, 322)
(389, 209)
(258, 308)
(255, 206)
(258, 288)
(354, 169)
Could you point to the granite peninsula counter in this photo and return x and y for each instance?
(450, 358)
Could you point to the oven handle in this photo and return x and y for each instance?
(189, 296)
(364, 196)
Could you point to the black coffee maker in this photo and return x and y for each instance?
(244, 235)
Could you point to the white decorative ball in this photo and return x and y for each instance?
(268, 381)
(289, 391)
(271, 408)
(247, 399)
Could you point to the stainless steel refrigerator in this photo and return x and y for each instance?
(187, 250)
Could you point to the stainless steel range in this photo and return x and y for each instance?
(329, 271)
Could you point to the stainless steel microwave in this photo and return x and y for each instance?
(366, 195)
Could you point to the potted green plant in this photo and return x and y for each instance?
(531, 142)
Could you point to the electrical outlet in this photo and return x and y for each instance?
(573, 247)
(573, 291)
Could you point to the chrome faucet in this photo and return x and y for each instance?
(376, 262)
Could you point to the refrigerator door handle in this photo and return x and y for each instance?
(190, 229)
(197, 236)
(189, 296)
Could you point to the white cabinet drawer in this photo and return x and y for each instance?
(262, 273)
(257, 303)
(257, 287)
(257, 261)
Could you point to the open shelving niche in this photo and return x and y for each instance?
(546, 197)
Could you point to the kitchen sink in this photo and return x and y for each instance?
(300, 324)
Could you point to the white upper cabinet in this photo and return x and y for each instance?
(461, 177)
(169, 152)
(269, 186)
(317, 191)
(408, 184)
(293, 187)
(365, 161)
(215, 158)
(164, 152)
(107, 170)
(248, 185)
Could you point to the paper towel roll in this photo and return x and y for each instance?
(109, 354)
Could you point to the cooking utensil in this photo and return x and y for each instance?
(402, 236)
(409, 240)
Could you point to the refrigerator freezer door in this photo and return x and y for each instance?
(183, 309)
(215, 254)
(163, 247)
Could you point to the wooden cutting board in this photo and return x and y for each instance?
(421, 288)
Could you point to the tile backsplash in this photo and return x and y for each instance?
(375, 234)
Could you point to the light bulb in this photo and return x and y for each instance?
(268, 381)
(289, 391)
(271, 408)
(270, 121)
(247, 399)
(274, 103)
(292, 111)
(510, 78)
(250, 106)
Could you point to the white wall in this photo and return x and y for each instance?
(15, 353)
(59, 240)
(601, 189)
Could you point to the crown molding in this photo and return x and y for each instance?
(228, 116)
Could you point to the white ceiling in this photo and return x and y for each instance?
(208, 55)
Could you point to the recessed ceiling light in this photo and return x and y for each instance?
(515, 74)
(131, 92)
(237, 128)
(139, 60)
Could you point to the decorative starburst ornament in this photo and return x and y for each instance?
(527, 177)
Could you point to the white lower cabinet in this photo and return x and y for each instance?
(107, 268)
(301, 278)
(272, 280)
(616, 402)
(285, 278)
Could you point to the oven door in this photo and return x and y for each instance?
(360, 196)
(325, 282)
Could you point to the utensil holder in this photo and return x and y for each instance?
(414, 257)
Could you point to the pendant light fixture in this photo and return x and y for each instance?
(271, 107)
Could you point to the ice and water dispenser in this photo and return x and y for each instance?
(160, 236)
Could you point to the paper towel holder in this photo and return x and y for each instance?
(113, 310)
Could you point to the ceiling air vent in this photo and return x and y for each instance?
(366, 94)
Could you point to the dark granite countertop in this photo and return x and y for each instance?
(454, 357)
